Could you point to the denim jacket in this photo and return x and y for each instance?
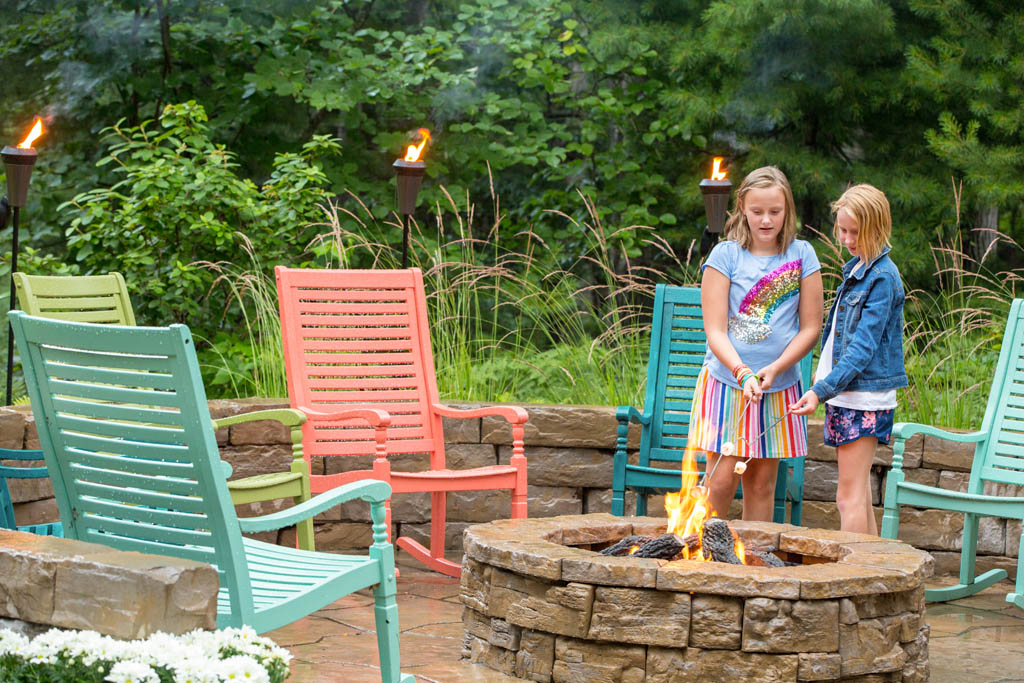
(867, 354)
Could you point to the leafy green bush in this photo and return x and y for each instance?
(181, 201)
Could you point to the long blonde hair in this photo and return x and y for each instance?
(736, 227)
(870, 208)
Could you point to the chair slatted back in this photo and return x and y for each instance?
(80, 298)
(678, 345)
(355, 339)
(677, 351)
(1001, 458)
(127, 437)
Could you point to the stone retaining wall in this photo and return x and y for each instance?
(47, 581)
(569, 449)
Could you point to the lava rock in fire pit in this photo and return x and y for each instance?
(717, 541)
(625, 545)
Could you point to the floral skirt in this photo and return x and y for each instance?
(846, 425)
(720, 415)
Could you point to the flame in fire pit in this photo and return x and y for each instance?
(36, 131)
(690, 508)
(412, 153)
(716, 169)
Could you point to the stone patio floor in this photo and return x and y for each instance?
(975, 640)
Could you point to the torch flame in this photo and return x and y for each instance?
(689, 508)
(716, 172)
(413, 151)
(36, 131)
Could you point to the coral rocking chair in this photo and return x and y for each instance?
(359, 339)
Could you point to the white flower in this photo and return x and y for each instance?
(12, 642)
(728, 448)
(132, 672)
(241, 668)
(740, 468)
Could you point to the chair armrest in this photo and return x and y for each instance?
(514, 414)
(631, 414)
(375, 416)
(286, 416)
(905, 430)
(373, 491)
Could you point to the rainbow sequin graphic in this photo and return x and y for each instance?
(750, 324)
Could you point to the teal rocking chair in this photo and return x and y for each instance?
(998, 462)
(127, 437)
(677, 352)
(7, 503)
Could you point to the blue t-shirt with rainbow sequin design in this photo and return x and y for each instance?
(764, 296)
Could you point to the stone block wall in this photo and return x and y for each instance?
(569, 450)
(47, 581)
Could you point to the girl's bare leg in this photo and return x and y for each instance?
(759, 489)
(853, 496)
(722, 486)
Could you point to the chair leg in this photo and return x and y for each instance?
(433, 556)
(781, 489)
(385, 608)
(641, 502)
(969, 584)
(1017, 596)
(385, 612)
(304, 535)
(619, 472)
(438, 521)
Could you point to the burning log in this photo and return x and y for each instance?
(717, 541)
(667, 546)
(765, 558)
(625, 545)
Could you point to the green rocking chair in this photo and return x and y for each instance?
(126, 434)
(998, 462)
(104, 299)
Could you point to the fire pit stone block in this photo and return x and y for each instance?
(790, 625)
(646, 617)
(538, 610)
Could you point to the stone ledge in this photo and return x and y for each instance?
(78, 585)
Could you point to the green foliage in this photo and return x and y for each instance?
(180, 202)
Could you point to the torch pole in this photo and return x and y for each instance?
(405, 240)
(10, 304)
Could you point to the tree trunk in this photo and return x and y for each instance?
(983, 236)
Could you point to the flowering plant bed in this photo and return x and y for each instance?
(196, 657)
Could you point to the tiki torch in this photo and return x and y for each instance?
(18, 163)
(409, 174)
(716, 191)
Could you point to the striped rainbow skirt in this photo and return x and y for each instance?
(719, 415)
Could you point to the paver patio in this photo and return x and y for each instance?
(979, 639)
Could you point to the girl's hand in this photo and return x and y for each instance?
(807, 404)
(752, 388)
(767, 375)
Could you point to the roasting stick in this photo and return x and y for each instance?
(741, 466)
(727, 445)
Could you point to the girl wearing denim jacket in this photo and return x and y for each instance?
(861, 364)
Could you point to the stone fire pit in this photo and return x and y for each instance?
(542, 605)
